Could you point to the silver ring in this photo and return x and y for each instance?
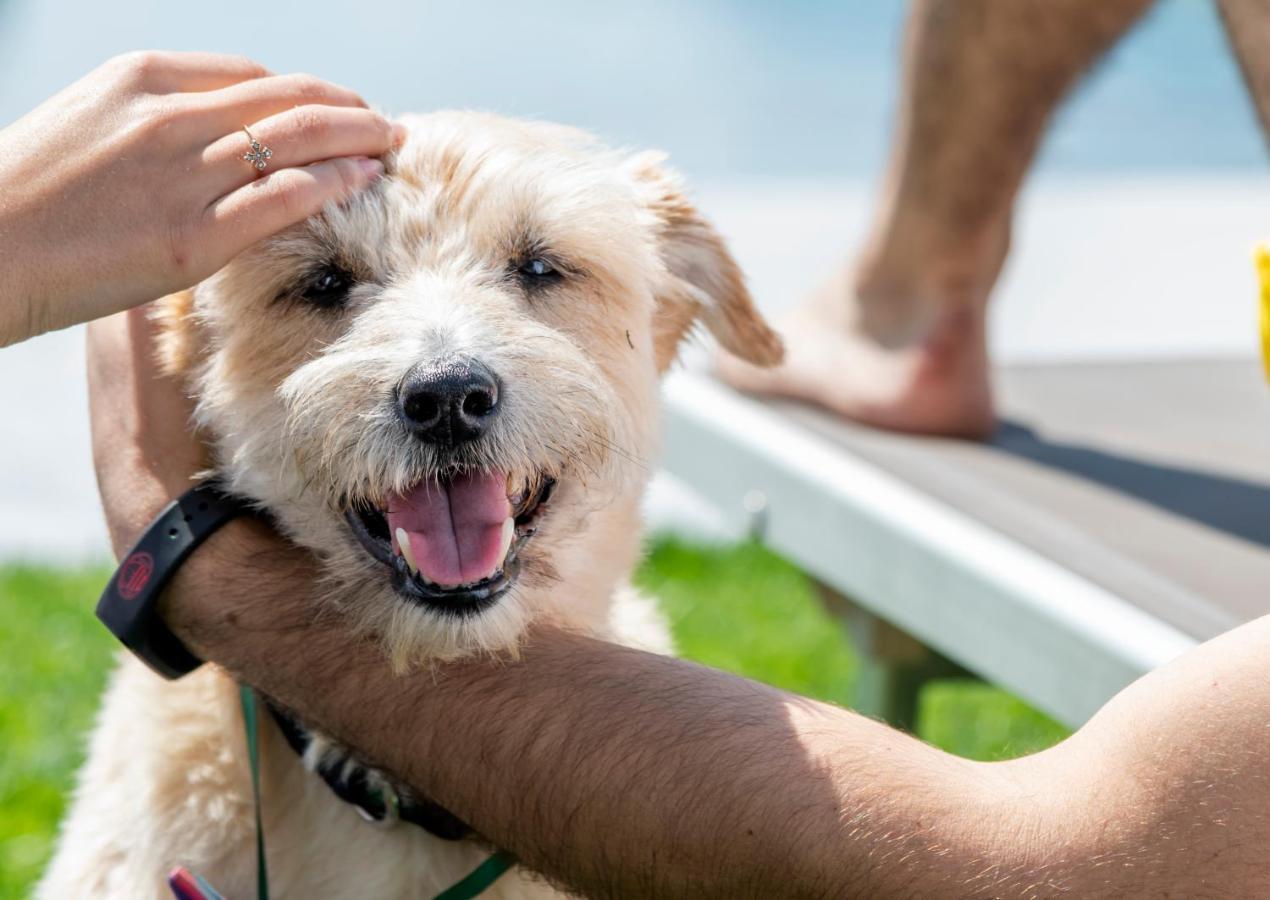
(258, 155)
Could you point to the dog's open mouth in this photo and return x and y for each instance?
(453, 544)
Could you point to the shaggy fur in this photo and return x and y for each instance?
(296, 402)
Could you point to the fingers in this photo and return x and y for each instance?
(298, 137)
(250, 101)
(281, 199)
(166, 72)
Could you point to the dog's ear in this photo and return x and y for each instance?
(173, 317)
(702, 281)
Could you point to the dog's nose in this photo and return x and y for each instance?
(449, 403)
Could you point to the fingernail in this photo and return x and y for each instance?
(371, 168)
(399, 133)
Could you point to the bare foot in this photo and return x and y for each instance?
(938, 384)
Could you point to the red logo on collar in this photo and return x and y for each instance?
(135, 574)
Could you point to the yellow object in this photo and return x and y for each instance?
(1263, 275)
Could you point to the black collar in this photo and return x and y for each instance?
(380, 803)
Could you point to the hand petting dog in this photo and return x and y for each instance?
(135, 181)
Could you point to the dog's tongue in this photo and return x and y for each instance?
(456, 529)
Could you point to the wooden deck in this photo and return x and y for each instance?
(1121, 515)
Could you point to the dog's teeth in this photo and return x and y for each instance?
(516, 491)
(403, 544)
(509, 532)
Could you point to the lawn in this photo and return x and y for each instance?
(737, 608)
(53, 661)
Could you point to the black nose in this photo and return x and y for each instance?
(449, 403)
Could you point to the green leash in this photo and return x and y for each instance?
(473, 885)
(480, 878)
(247, 697)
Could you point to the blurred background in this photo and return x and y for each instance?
(1133, 238)
(1149, 189)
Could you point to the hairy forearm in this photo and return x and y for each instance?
(622, 773)
(617, 772)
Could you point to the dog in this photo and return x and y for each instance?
(446, 389)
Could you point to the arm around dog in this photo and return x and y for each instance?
(621, 773)
(613, 771)
(626, 774)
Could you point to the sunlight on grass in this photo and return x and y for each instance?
(744, 609)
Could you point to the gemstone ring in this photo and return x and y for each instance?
(259, 154)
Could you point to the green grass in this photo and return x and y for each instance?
(743, 609)
(737, 608)
(53, 661)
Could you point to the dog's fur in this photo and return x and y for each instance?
(296, 402)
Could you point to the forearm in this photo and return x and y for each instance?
(622, 773)
(47, 266)
(619, 773)
(21, 312)
(33, 294)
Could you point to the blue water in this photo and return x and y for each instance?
(731, 89)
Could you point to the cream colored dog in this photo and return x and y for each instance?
(446, 389)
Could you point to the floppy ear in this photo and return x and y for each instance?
(173, 316)
(702, 281)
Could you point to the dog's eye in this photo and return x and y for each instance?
(328, 287)
(538, 269)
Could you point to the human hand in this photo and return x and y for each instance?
(130, 184)
(144, 447)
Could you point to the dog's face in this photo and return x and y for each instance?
(447, 386)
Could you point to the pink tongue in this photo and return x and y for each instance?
(455, 528)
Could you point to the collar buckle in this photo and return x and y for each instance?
(389, 813)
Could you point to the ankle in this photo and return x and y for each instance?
(957, 338)
(906, 289)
